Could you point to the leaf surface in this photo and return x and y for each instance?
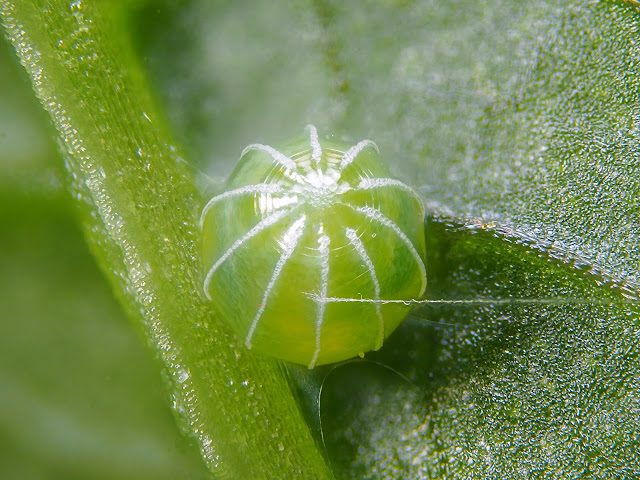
(518, 123)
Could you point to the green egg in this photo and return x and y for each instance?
(307, 243)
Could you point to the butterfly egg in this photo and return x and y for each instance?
(306, 244)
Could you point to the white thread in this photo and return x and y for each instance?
(387, 222)
(362, 252)
(262, 225)
(475, 301)
(316, 149)
(290, 240)
(279, 157)
(258, 188)
(323, 242)
(351, 154)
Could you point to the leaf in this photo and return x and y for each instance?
(519, 123)
(541, 389)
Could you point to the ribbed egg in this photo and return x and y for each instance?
(306, 244)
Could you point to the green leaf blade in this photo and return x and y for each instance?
(556, 164)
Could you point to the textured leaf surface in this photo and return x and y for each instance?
(518, 119)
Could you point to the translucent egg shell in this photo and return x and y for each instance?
(306, 245)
